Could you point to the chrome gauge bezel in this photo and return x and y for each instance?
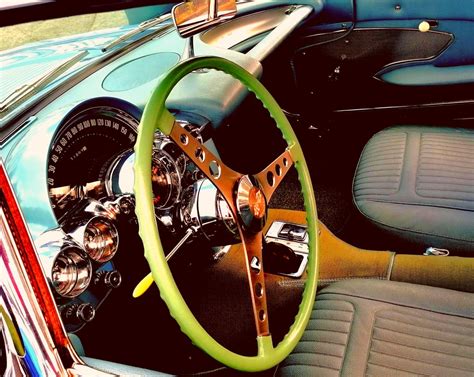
(75, 263)
(169, 170)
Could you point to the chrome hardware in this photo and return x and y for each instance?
(67, 266)
(123, 205)
(293, 232)
(436, 252)
(99, 238)
(91, 225)
(166, 178)
(71, 272)
(78, 314)
(285, 234)
(204, 208)
(108, 279)
(255, 264)
(20, 304)
(251, 204)
(218, 252)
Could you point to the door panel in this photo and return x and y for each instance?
(378, 57)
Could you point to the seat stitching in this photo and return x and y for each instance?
(446, 175)
(318, 307)
(395, 368)
(428, 167)
(330, 319)
(441, 190)
(420, 361)
(417, 203)
(421, 348)
(370, 342)
(321, 341)
(296, 352)
(426, 176)
(310, 365)
(334, 280)
(353, 295)
(348, 338)
(422, 327)
(442, 162)
(446, 147)
(366, 175)
(336, 331)
(381, 162)
(411, 230)
(416, 317)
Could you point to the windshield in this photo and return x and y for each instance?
(36, 54)
(18, 35)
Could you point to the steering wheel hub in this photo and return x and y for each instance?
(251, 204)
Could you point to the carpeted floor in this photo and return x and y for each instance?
(332, 200)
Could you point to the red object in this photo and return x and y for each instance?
(30, 260)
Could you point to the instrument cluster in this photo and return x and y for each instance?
(90, 184)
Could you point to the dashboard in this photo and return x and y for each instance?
(71, 161)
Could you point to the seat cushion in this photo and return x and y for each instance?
(384, 328)
(418, 183)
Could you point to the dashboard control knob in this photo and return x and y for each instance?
(77, 314)
(85, 312)
(112, 279)
(108, 279)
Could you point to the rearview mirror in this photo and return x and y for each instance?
(194, 16)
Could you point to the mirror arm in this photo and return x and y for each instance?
(188, 51)
(212, 10)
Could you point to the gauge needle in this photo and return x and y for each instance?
(147, 281)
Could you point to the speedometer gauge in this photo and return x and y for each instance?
(82, 151)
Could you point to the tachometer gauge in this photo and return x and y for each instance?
(165, 178)
(82, 152)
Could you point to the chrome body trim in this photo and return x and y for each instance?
(205, 209)
(298, 247)
(17, 296)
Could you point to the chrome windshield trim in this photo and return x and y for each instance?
(145, 25)
(24, 92)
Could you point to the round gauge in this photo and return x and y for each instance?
(82, 152)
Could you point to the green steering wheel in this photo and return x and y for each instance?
(247, 197)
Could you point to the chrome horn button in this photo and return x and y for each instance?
(251, 204)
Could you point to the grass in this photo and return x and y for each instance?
(17, 35)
